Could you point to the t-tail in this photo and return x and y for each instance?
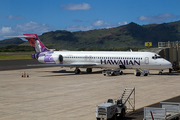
(34, 42)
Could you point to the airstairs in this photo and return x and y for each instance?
(128, 98)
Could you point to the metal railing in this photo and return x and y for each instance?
(168, 44)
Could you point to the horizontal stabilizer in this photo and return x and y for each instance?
(20, 36)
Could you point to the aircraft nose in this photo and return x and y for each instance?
(168, 64)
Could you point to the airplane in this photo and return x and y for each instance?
(111, 62)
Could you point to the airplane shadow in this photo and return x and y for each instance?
(67, 73)
(127, 118)
(163, 74)
(82, 72)
(71, 73)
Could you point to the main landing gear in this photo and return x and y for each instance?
(78, 71)
(89, 70)
(138, 72)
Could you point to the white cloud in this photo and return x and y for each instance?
(71, 6)
(79, 27)
(157, 18)
(5, 31)
(98, 24)
(32, 27)
(29, 27)
(101, 22)
(14, 17)
(122, 23)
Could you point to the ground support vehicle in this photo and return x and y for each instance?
(112, 72)
(116, 109)
(168, 111)
(139, 72)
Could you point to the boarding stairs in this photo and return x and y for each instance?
(128, 98)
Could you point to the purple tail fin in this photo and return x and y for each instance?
(35, 42)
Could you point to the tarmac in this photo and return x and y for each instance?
(59, 94)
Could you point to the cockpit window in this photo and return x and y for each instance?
(156, 57)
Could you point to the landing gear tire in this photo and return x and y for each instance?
(77, 71)
(170, 70)
(89, 70)
(112, 74)
(138, 73)
(145, 74)
(121, 72)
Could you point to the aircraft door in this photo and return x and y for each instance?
(146, 60)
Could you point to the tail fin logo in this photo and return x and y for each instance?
(36, 43)
(37, 47)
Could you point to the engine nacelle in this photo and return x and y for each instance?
(51, 59)
(61, 59)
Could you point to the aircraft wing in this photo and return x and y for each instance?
(66, 65)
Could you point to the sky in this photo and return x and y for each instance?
(39, 16)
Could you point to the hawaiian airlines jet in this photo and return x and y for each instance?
(111, 62)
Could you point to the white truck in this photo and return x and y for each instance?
(168, 111)
(115, 108)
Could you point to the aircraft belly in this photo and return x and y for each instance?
(152, 67)
(109, 66)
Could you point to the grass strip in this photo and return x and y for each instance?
(15, 57)
(16, 53)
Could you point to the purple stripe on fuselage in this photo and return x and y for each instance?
(120, 62)
(49, 59)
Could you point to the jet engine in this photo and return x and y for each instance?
(61, 59)
(51, 59)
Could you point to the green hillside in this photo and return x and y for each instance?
(130, 35)
(14, 41)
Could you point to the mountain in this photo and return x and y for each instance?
(14, 41)
(130, 35)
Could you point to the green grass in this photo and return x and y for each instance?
(15, 55)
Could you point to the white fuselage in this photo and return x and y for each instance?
(113, 60)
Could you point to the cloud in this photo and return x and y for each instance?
(33, 27)
(6, 30)
(122, 23)
(98, 24)
(79, 27)
(14, 17)
(29, 27)
(157, 18)
(71, 6)
(101, 23)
